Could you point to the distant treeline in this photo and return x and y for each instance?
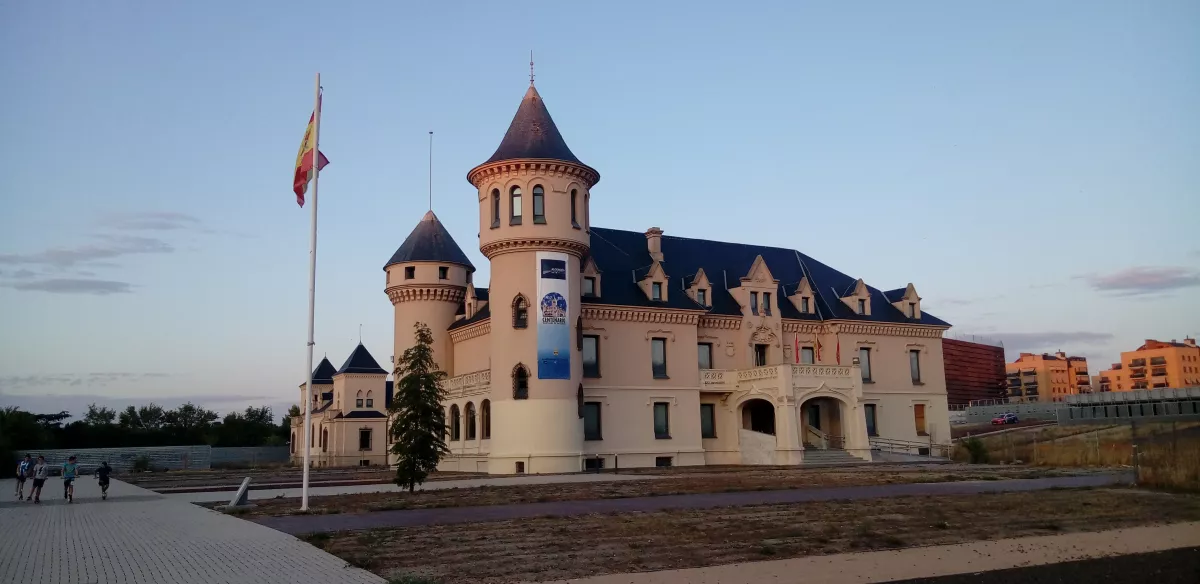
(148, 425)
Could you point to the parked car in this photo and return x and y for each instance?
(1004, 419)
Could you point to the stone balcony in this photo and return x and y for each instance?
(469, 383)
(796, 378)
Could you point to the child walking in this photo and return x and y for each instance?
(69, 471)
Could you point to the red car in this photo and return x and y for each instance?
(1004, 419)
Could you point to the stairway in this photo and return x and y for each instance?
(830, 456)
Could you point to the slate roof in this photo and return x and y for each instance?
(532, 134)
(483, 314)
(323, 374)
(430, 242)
(894, 295)
(364, 414)
(361, 361)
(326, 405)
(622, 254)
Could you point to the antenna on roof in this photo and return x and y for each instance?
(431, 170)
(531, 67)
(360, 333)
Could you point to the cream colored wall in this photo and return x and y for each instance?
(627, 426)
(729, 349)
(427, 299)
(346, 388)
(724, 449)
(893, 389)
(558, 209)
(625, 359)
(472, 355)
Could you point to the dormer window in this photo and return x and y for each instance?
(862, 306)
(539, 205)
(589, 286)
(410, 272)
(495, 208)
(702, 297)
(767, 303)
(754, 303)
(804, 305)
(514, 206)
(912, 309)
(656, 291)
(443, 273)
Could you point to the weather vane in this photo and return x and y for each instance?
(531, 66)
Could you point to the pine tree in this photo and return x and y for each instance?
(418, 422)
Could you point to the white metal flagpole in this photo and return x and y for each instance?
(312, 293)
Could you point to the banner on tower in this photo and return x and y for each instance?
(553, 329)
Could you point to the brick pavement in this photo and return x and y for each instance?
(300, 524)
(138, 536)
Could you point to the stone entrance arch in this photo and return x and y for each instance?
(824, 422)
(758, 415)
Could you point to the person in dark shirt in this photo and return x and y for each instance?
(102, 476)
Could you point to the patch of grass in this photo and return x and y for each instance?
(320, 539)
(768, 550)
(412, 579)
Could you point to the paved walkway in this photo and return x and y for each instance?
(260, 494)
(967, 558)
(298, 524)
(138, 536)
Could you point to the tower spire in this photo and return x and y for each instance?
(531, 67)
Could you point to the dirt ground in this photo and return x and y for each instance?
(559, 548)
(676, 482)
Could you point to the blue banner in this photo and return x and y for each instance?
(553, 329)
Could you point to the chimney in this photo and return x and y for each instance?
(1189, 341)
(1061, 355)
(654, 243)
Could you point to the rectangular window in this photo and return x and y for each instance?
(708, 421)
(591, 421)
(539, 205)
(864, 361)
(804, 305)
(658, 357)
(702, 297)
(754, 303)
(862, 306)
(664, 461)
(705, 353)
(364, 439)
(589, 286)
(370, 402)
(656, 291)
(806, 355)
(495, 209)
(914, 365)
(591, 356)
(919, 415)
(358, 403)
(760, 355)
(410, 272)
(870, 411)
(912, 309)
(443, 273)
(767, 303)
(662, 420)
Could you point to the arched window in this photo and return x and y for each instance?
(370, 399)
(539, 204)
(470, 412)
(455, 428)
(324, 439)
(358, 399)
(495, 207)
(520, 377)
(514, 206)
(520, 312)
(485, 414)
(574, 210)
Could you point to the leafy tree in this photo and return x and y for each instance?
(99, 416)
(285, 425)
(149, 417)
(418, 423)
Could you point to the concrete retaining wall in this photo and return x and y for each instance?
(121, 459)
(250, 455)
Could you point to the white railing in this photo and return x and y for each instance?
(716, 379)
(469, 381)
(821, 370)
(769, 372)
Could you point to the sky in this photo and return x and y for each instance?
(1031, 167)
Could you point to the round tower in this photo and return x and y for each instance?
(426, 281)
(533, 196)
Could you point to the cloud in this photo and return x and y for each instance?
(23, 274)
(108, 247)
(75, 286)
(39, 382)
(1050, 340)
(1143, 280)
(151, 221)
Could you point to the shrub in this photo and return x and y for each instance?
(976, 450)
(141, 464)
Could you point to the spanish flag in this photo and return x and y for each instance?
(304, 160)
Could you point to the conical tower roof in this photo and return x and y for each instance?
(430, 242)
(323, 374)
(532, 134)
(361, 361)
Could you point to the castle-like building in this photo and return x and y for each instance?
(601, 347)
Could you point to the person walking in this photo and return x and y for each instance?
(24, 468)
(102, 477)
(40, 472)
(69, 470)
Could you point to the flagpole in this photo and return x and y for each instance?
(312, 291)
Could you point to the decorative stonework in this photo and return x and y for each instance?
(398, 294)
(764, 335)
(661, 333)
(803, 326)
(469, 381)
(885, 329)
(821, 370)
(557, 168)
(770, 372)
(721, 322)
(592, 312)
(495, 248)
(477, 329)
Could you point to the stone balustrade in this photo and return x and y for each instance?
(468, 382)
(840, 377)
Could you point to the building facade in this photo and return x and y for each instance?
(349, 413)
(974, 371)
(1154, 365)
(1047, 378)
(602, 347)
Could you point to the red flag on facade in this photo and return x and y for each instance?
(818, 337)
(839, 351)
(797, 345)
